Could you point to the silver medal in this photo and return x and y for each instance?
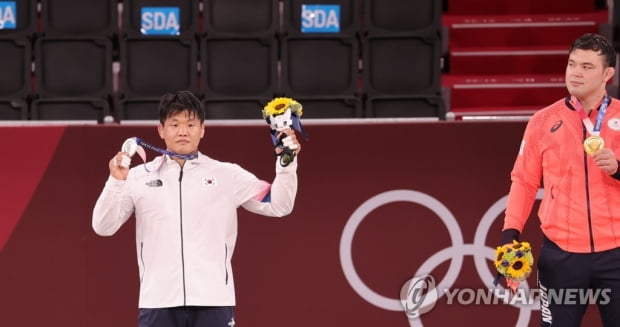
(130, 146)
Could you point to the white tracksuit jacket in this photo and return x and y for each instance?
(186, 224)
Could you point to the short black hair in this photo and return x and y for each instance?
(596, 43)
(171, 104)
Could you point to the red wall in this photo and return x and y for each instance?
(55, 271)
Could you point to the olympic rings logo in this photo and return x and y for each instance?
(455, 253)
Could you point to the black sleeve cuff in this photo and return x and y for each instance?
(510, 235)
(617, 174)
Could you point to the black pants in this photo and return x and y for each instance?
(568, 282)
(187, 317)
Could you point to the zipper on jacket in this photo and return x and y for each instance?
(142, 260)
(181, 227)
(225, 259)
(587, 180)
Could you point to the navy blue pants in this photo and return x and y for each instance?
(568, 282)
(192, 316)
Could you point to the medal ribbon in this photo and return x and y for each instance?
(596, 128)
(142, 144)
(166, 152)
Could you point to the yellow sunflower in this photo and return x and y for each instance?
(519, 269)
(499, 256)
(278, 106)
(523, 246)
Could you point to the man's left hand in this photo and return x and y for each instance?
(606, 160)
(289, 141)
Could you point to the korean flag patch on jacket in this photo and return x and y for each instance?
(209, 181)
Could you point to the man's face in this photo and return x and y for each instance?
(181, 132)
(586, 73)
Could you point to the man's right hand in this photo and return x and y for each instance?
(119, 165)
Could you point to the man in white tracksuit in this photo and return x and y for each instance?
(186, 218)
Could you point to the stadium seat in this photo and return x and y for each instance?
(318, 18)
(13, 109)
(402, 65)
(314, 66)
(95, 18)
(400, 16)
(139, 109)
(67, 67)
(133, 18)
(405, 106)
(18, 18)
(151, 67)
(320, 53)
(15, 67)
(74, 108)
(241, 18)
(245, 67)
(234, 108)
(330, 107)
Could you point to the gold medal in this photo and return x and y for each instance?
(593, 144)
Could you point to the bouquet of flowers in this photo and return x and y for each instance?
(514, 262)
(283, 114)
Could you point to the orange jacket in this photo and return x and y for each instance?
(580, 209)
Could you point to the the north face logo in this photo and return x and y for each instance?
(155, 183)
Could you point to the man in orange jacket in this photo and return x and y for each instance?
(572, 146)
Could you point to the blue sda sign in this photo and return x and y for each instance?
(160, 21)
(8, 15)
(320, 18)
